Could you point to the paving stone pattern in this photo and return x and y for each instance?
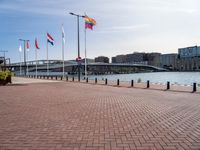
(78, 116)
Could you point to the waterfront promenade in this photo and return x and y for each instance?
(46, 114)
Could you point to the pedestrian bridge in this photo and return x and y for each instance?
(92, 68)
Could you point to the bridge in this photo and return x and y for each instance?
(92, 68)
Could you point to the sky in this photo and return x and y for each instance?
(123, 26)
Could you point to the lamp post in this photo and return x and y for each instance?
(24, 54)
(78, 59)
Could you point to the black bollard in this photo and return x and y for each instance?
(106, 81)
(61, 78)
(194, 87)
(168, 85)
(73, 79)
(56, 78)
(95, 80)
(66, 78)
(132, 83)
(117, 82)
(148, 85)
(87, 80)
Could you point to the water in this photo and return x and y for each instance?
(183, 78)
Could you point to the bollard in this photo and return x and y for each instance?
(148, 85)
(43, 77)
(66, 78)
(56, 78)
(194, 87)
(61, 78)
(168, 85)
(106, 81)
(51, 77)
(87, 80)
(95, 80)
(117, 82)
(132, 83)
(47, 77)
(73, 79)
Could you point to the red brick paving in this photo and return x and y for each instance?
(75, 116)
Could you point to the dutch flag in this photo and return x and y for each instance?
(50, 39)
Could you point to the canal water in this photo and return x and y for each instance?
(183, 78)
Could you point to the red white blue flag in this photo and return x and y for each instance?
(50, 39)
(36, 44)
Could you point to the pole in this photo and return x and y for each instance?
(85, 56)
(20, 68)
(63, 44)
(27, 62)
(78, 49)
(36, 62)
(47, 60)
(25, 57)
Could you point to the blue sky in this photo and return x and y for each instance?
(123, 26)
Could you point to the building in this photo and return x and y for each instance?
(189, 59)
(102, 59)
(138, 58)
(169, 61)
(189, 52)
(153, 59)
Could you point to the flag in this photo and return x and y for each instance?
(20, 48)
(50, 39)
(36, 44)
(89, 22)
(27, 45)
(63, 34)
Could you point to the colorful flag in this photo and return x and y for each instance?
(50, 39)
(89, 22)
(36, 44)
(27, 45)
(20, 48)
(63, 34)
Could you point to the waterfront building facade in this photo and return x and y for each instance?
(189, 59)
(169, 61)
(102, 59)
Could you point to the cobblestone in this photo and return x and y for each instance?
(77, 116)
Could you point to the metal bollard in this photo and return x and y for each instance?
(194, 87)
(95, 80)
(61, 78)
(66, 78)
(117, 82)
(106, 81)
(148, 85)
(56, 78)
(168, 85)
(73, 79)
(87, 80)
(132, 83)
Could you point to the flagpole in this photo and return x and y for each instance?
(27, 60)
(20, 64)
(36, 62)
(63, 52)
(47, 60)
(85, 56)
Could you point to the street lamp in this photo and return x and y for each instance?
(24, 54)
(78, 16)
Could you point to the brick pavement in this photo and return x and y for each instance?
(67, 115)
